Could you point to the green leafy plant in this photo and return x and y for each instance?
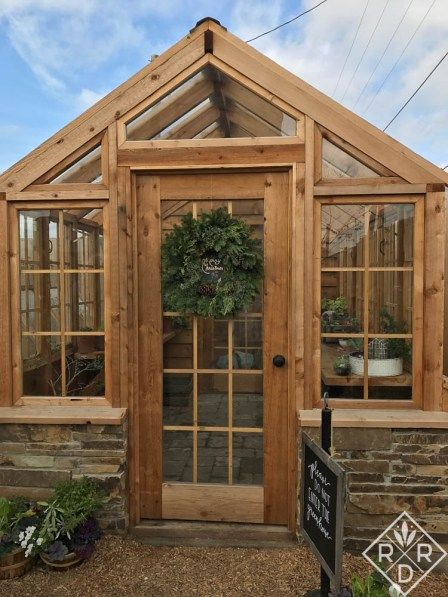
(16, 515)
(341, 365)
(227, 242)
(77, 500)
(396, 347)
(373, 585)
(336, 316)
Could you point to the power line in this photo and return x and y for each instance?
(384, 52)
(365, 49)
(351, 47)
(416, 91)
(287, 22)
(445, 167)
(399, 57)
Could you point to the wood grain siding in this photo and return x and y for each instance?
(149, 345)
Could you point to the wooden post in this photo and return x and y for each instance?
(434, 256)
(5, 306)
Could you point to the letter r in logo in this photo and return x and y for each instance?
(382, 549)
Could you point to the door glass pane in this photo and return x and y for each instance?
(213, 399)
(247, 400)
(177, 342)
(248, 458)
(213, 457)
(177, 399)
(178, 456)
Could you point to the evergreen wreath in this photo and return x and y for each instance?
(211, 266)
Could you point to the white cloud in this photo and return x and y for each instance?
(88, 97)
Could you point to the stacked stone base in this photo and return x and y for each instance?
(34, 458)
(389, 471)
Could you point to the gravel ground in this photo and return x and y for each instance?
(125, 567)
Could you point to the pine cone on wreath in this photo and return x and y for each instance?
(207, 290)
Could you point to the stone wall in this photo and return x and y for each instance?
(33, 458)
(388, 471)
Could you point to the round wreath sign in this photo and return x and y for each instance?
(211, 266)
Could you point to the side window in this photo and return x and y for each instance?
(369, 304)
(61, 301)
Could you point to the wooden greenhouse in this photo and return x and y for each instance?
(190, 418)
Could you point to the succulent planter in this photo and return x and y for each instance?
(14, 564)
(70, 561)
(376, 367)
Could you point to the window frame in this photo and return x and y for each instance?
(416, 402)
(15, 207)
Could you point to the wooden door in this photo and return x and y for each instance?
(212, 406)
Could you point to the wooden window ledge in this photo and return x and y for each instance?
(377, 418)
(62, 415)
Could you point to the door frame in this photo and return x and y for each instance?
(295, 322)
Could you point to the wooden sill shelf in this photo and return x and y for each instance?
(62, 415)
(405, 418)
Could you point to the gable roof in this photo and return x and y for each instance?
(210, 43)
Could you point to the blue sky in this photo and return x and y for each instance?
(57, 57)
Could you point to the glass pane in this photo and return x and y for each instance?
(391, 235)
(336, 163)
(390, 378)
(41, 365)
(342, 303)
(342, 235)
(341, 369)
(177, 343)
(247, 400)
(178, 456)
(83, 293)
(248, 458)
(213, 457)
(84, 239)
(85, 366)
(213, 343)
(84, 169)
(38, 239)
(213, 399)
(194, 110)
(390, 304)
(248, 343)
(177, 399)
(39, 302)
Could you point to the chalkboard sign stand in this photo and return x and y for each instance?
(325, 583)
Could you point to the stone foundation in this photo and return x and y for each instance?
(33, 458)
(388, 471)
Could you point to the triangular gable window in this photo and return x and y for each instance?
(86, 169)
(336, 163)
(210, 104)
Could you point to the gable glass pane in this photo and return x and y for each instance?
(336, 163)
(85, 169)
(210, 104)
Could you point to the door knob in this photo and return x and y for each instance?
(279, 360)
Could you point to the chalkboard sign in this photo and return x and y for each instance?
(322, 507)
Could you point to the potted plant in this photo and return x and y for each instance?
(17, 517)
(386, 355)
(69, 528)
(335, 317)
(341, 365)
